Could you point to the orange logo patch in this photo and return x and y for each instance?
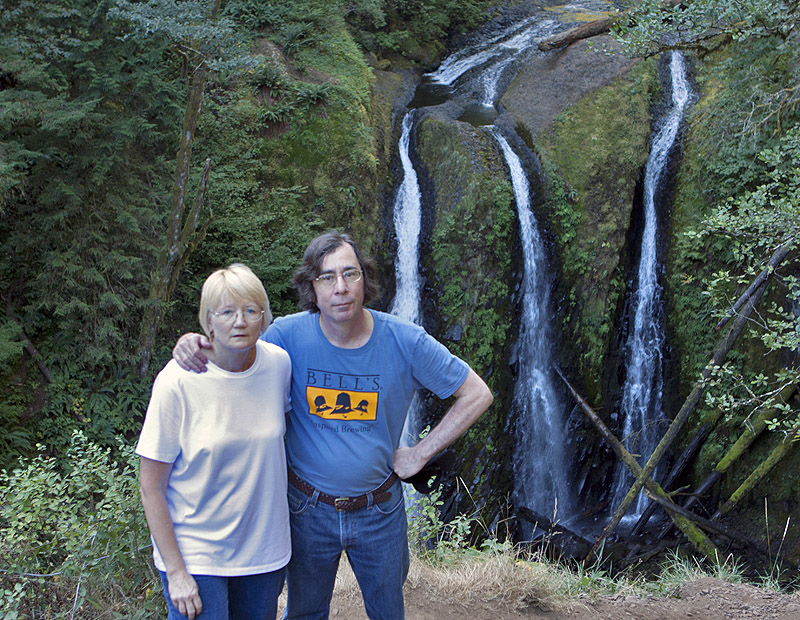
(341, 404)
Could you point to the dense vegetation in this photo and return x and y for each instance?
(738, 194)
(92, 101)
(93, 98)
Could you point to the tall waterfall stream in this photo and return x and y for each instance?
(642, 393)
(541, 463)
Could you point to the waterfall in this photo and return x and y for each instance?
(407, 225)
(473, 75)
(492, 56)
(540, 463)
(642, 393)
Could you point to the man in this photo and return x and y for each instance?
(354, 373)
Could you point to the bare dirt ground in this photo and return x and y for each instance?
(702, 599)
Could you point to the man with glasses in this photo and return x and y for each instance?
(354, 374)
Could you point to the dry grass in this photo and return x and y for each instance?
(500, 579)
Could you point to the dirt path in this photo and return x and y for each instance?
(704, 599)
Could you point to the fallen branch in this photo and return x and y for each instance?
(708, 524)
(683, 461)
(705, 429)
(692, 532)
(720, 353)
(778, 452)
(772, 265)
(590, 29)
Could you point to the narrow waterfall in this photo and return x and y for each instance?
(473, 76)
(407, 224)
(642, 393)
(490, 57)
(540, 463)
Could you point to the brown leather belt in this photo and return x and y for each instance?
(381, 494)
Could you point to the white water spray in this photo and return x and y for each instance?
(407, 226)
(540, 464)
(642, 396)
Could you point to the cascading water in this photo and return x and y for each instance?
(641, 406)
(540, 463)
(501, 48)
(473, 76)
(407, 225)
(492, 56)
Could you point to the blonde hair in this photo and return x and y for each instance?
(237, 282)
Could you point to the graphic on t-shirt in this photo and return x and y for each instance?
(341, 405)
(341, 396)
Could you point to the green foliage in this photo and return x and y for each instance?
(437, 541)
(406, 26)
(86, 118)
(73, 534)
(651, 26)
(190, 28)
(761, 72)
(756, 223)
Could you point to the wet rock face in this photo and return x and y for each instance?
(470, 257)
(550, 83)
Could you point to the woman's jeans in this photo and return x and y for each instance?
(376, 541)
(250, 597)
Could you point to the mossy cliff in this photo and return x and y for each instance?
(585, 113)
(691, 264)
(590, 128)
(468, 266)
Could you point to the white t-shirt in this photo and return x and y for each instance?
(223, 431)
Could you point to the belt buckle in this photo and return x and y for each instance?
(340, 499)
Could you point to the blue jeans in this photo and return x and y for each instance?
(375, 539)
(250, 597)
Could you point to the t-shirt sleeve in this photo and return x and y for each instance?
(435, 368)
(160, 436)
(273, 336)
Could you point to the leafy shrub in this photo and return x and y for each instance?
(74, 535)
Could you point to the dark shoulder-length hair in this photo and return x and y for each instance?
(313, 257)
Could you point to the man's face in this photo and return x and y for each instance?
(340, 301)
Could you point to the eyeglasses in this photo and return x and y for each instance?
(228, 315)
(351, 276)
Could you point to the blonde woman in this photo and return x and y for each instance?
(213, 467)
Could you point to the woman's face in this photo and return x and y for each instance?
(235, 324)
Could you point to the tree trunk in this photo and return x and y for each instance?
(589, 29)
(736, 450)
(179, 235)
(692, 532)
(182, 235)
(778, 452)
(775, 260)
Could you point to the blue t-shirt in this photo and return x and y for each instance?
(349, 405)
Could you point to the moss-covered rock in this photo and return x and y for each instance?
(468, 269)
(592, 154)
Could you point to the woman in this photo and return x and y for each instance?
(213, 467)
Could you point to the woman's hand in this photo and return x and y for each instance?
(188, 352)
(183, 590)
(184, 593)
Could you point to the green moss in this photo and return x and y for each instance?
(470, 258)
(592, 157)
